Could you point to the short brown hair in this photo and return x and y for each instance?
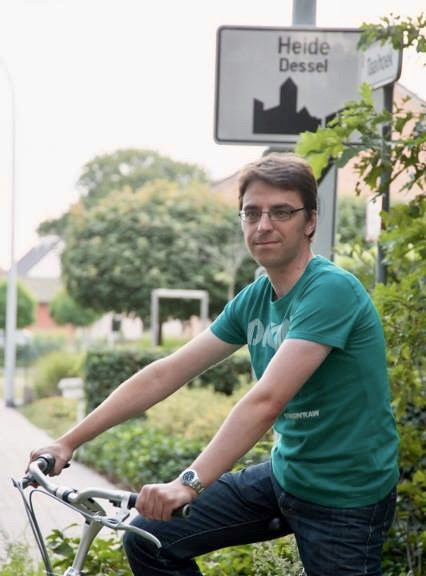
(283, 170)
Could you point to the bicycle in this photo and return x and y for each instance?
(83, 502)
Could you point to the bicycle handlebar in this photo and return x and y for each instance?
(40, 468)
(81, 501)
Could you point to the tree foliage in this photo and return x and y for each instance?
(65, 310)
(402, 305)
(379, 160)
(25, 306)
(161, 236)
(130, 169)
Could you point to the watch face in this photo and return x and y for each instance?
(188, 476)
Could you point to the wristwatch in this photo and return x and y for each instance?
(189, 477)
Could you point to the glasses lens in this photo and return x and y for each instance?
(251, 215)
(280, 213)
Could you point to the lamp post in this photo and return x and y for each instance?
(11, 305)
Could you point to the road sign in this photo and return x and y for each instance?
(380, 64)
(274, 83)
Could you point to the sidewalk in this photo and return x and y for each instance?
(18, 437)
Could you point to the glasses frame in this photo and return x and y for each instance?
(289, 213)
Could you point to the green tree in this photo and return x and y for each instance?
(352, 251)
(351, 214)
(125, 169)
(161, 236)
(382, 155)
(25, 306)
(65, 310)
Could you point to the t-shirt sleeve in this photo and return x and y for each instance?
(227, 326)
(326, 312)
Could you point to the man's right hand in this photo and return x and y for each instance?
(60, 451)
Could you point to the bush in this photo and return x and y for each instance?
(106, 556)
(225, 377)
(133, 454)
(50, 369)
(106, 369)
(18, 563)
(237, 560)
(37, 346)
(402, 305)
(183, 414)
(280, 558)
(158, 447)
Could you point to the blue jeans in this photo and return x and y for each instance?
(249, 506)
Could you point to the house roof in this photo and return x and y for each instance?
(36, 254)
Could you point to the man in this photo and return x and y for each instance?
(317, 349)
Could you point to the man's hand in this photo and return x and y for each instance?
(61, 453)
(157, 501)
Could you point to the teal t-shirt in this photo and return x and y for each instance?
(337, 440)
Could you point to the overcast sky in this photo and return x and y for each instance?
(92, 76)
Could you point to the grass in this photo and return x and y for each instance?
(55, 415)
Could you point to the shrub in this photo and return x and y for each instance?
(50, 369)
(227, 562)
(106, 369)
(402, 305)
(275, 558)
(18, 563)
(133, 454)
(225, 377)
(105, 558)
(158, 447)
(37, 346)
(280, 558)
(184, 413)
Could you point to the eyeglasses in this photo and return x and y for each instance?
(252, 215)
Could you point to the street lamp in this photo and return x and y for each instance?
(11, 305)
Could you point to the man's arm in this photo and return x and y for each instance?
(250, 419)
(141, 391)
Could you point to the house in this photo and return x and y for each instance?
(39, 271)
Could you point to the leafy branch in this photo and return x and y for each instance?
(385, 144)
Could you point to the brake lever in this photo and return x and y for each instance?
(143, 533)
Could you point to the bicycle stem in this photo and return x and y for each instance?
(90, 531)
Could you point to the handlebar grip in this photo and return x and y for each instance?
(46, 463)
(181, 512)
(132, 500)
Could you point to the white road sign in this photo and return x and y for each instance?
(274, 83)
(380, 64)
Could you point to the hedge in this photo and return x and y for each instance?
(105, 369)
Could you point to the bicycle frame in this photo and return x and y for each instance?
(83, 502)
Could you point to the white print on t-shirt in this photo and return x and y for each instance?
(297, 415)
(273, 335)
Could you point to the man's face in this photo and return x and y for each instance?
(275, 243)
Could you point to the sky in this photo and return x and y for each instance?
(92, 76)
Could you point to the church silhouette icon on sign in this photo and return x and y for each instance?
(284, 118)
